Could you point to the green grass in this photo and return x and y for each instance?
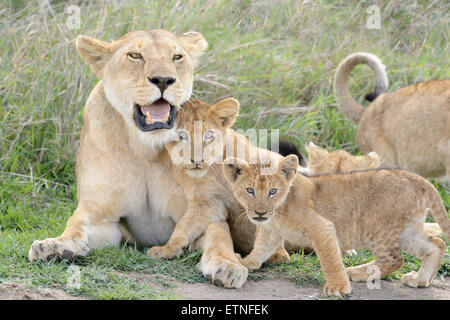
(270, 55)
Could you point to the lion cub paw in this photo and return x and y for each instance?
(414, 280)
(358, 273)
(165, 252)
(339, 289)
(251, 264)
(280, 256)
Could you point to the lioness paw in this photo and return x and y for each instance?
(339, 289)
(56, 247)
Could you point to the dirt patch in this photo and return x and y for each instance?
(19, 291)
(275, 289)
(272, 289)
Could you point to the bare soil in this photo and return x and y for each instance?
(272, 289)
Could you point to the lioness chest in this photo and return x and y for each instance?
(159, 202)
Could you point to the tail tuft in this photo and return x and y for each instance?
(286, 148)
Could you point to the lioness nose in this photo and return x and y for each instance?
(260, 213)
(162, 82)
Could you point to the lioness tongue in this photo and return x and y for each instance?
(157, 109)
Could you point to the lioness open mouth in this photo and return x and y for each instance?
(158, 115)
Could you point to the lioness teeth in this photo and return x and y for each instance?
(151, 120)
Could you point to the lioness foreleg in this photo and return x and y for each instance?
(84, 231)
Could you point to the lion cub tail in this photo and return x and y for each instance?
(347, 103)
(436, 207)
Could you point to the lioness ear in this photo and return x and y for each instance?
(289, 166)
(233, 168)
(194, 43)
(225, 111)
(315, 153)
(94, 52)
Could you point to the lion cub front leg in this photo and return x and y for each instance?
(326, 246)
(266, 243)
(191, 226)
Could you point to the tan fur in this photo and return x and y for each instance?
(322, 161)
(200, 174)
(125, 180)
(119, 176)
(379, 209)
(408, 128)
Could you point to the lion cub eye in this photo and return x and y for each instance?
(273, 191)
(135, 55)
(183, 135)
(250, 191)
(177, 57)
(209, 135)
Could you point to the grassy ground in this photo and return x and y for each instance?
(276, 57)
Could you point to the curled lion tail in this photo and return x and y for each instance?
(347, 103)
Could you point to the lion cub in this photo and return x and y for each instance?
(322, 161)
(197, 161)
(379, 209)
(201, 129)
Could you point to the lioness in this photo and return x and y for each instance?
(379, 209)
(408, 128)
(145, 77)
(197, 160)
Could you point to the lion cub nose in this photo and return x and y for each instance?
(260, 213)
(197, 162)
(162, 82)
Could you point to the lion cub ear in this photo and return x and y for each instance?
(94, 52)
(288, 166)
(233, 168)
(225, 111)
(315, 153)
(194, 43)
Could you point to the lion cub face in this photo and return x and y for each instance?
(146, 75)
(260, 194)
(322, 161)
(201, 132)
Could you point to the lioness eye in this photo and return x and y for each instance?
(273, 191)
(183, 135)
(135, 55)
(209, 135)
(250, 191)
(177, 57)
